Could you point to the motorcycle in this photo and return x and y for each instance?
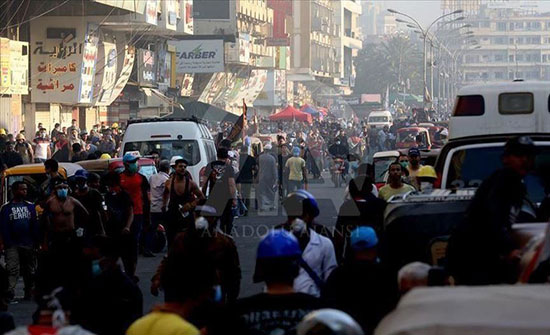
(337, 171)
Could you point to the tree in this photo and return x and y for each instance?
(389, 63)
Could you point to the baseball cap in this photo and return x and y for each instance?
(520, 146)
(129, 158)
(363, 238)
(414, 152)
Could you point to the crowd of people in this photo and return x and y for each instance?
(67, 246)
(64, 144)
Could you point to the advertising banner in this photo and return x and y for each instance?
(89, 58)
(109, 73)
(199, 56)
(170, 14)
(56, 57)
(19, 67)
(5, 78)
(186, 85)
(146, 68)
(188, 16)
(125, 72)
(151, 10)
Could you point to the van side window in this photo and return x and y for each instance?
(516, 103)
(469, 105)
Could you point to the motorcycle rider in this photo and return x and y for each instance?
(339, 150)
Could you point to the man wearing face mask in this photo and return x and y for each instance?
(110, 301)
(92, 200)
(426, 178)
(137, 187)
(319, 258)
(220, 250)
(59, 213)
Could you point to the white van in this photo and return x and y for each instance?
(379, 119)
(516, 107)
(188, 138)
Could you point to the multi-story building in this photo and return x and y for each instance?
(347, 42)
(468, 6)
(512, 45)
(325, 37)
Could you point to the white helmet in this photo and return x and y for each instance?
(335, 321)
(174, 159)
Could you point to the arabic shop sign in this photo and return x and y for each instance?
(147, 70)
(199, 56)
(56, 60)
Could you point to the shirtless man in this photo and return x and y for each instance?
(60, 211)
(180, 190)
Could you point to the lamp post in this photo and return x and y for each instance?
(424, 33)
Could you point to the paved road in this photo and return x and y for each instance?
(247, 233)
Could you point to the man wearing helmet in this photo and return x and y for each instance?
(280, 308)
(319, 258)
(481, 249)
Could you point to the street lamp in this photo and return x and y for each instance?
(425, 33)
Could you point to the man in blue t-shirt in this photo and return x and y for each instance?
(19, 238)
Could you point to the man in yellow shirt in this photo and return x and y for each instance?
(188, 284)
(414, 166)
(295, 168)
(395, 185)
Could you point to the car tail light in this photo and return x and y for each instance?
(438, 181)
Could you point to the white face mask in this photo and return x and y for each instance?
(298, 226)
(201, 223)
(426, 186)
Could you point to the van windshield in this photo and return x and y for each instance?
(469, 167)
(188, 149)
(378, 119)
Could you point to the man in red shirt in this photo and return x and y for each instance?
(137, 187)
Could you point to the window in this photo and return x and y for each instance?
(188, 149)
(515, 103)
(470, 166)
(486, 24)
(499, 75)
(499, 58)
(469, 105)
(511, 58)
(501, 26)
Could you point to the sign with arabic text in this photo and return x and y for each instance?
(109, 72)
(5, 78)
(19, 67)
(55, 62)
(89, 57)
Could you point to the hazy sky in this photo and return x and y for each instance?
(427, 10)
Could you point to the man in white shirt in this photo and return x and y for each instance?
(157, 183)
(318, 256)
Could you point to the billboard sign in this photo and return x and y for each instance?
(147, 75)
(151, 10)
(89, 58)
(109, 72)
(125, 72)
(199, 56)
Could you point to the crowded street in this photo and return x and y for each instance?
(278, 167)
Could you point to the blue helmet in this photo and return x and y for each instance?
(129, 158)
(81, 174)
(279, 244)
(299, 202)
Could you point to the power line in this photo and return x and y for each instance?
(38, 16)
(13, 16)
